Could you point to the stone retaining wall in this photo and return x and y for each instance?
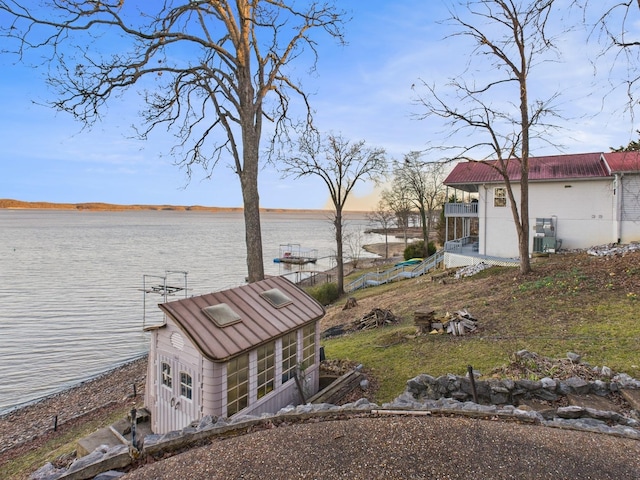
(424, 395)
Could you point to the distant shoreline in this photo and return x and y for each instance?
(6, 203)
(10, 204)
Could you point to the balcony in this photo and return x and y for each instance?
(465, 210)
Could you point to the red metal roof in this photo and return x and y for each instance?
(620, 162)
(259, 322)
(556, 167)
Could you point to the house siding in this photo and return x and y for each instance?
(584, 213)
(628, 229)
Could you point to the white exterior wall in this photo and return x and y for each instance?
(169, 409)
(584, 213)
(210, 381)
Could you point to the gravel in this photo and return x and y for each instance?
(405, 447)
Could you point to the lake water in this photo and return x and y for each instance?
(71, 300)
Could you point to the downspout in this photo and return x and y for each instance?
(484, 222)
(617, 192)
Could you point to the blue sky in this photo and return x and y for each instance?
(362, 91)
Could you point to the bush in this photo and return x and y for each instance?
(416, 250)
(326, 293)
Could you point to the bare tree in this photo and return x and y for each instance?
(423, 184)
(211, 72)
(614, 29)
(510, 39)
(398, 201)
(341, 165)
(384, 217)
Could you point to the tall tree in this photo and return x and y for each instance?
(340, 164)
(383, 216)
(615, 30)
(510, 39)
(633, 146)
(397, 200)
(211, 72)
(423, 184)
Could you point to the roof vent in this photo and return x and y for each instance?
(276, 298)
(222, 315)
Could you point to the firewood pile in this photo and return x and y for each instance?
(374, 319)
(457, 323)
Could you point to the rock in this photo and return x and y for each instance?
(578, 385)
(570, 412)
(110, 475)
(574, 357)
(47, 472)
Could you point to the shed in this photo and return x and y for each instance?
(246, 350)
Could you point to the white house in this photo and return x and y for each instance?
(251, 349)
(575, 201)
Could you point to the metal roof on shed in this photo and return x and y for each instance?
(555, 167)
(259, 322)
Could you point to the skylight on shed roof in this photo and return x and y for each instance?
(276, 298)
(222, 314)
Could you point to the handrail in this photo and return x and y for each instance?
(395, 273)
(458, 208)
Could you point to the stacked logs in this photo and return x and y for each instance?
(377, 317)
(458, 323)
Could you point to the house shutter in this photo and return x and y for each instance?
(631, 198)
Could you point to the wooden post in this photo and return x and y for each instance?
(473, 383)
(133, 428)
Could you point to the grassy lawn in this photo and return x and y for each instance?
(576, 303)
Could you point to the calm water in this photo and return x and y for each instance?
(71, 301)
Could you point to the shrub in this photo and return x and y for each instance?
(326, 293)
(416, 250)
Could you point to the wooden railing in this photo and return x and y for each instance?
(461, 209)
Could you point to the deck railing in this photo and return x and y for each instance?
(455, 246)
(461, 209)
(398, 272)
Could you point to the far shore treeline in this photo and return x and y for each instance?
(97, 206)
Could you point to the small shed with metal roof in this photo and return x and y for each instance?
(249, 350)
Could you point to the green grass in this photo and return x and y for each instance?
(568, 304)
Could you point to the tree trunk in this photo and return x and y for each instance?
(251, 200)
(425, 232)
(339, 256)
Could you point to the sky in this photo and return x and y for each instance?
(366, 90)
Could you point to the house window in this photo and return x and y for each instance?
(289, 355)
(499, 197)
(308, 345)
(237, 384)
(266, 368)
(166, 375)
(186, 385)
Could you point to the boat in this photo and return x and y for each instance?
(408, 263)
(295, 254)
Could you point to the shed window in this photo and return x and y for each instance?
(266, 368)
(499, 197)
(289, 355)
(166, 375)
(308, 345)
(237, 384)
(186, 385)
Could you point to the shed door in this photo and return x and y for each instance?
(178, 395)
